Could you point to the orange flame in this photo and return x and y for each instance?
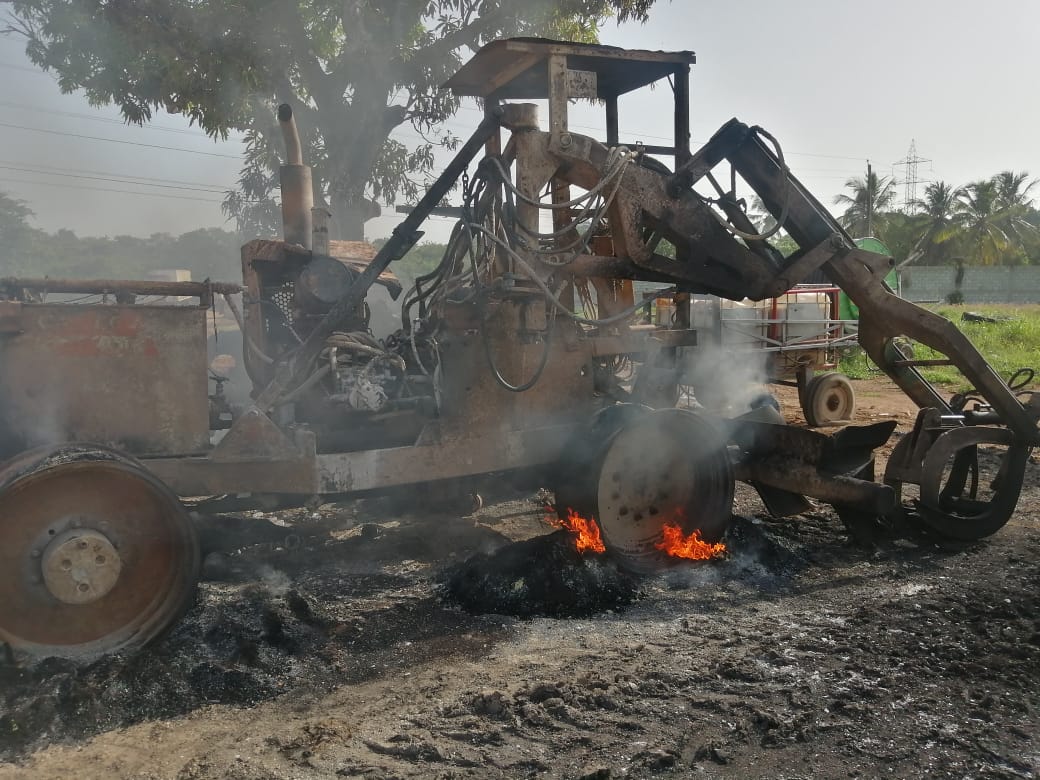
(678, 545)
(586, 532)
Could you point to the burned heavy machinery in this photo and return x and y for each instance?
(522, 353)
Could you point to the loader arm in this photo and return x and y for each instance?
(719, 252)
(651, 203)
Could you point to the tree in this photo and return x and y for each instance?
(764, 222)
(1015, 205)
(871, 196)
(933, 223)
(1013, 189)
(978, 220)
(352, 70)
(16, 235)
(14, 216)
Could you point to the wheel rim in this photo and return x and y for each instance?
(670, 467)
(831, 400)
(99, 556)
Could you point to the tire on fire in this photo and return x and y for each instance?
(637, 471)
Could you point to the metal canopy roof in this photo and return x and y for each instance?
(517, 68)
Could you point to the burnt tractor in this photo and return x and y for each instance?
(523, 353)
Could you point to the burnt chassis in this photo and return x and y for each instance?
(567, 428)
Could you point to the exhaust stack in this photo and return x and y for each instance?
(295, 183)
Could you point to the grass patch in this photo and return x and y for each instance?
(1008, 345)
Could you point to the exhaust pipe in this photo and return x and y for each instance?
(295, 183)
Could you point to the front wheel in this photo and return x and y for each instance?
(98, 556)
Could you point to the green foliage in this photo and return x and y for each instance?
(27, 251)
(15, 233)
(421, 259)
(1009, 344)
(931, 224)
(865, 209)
(987, 222)
(352, 70)
(978, 223)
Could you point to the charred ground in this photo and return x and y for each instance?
(327, 648)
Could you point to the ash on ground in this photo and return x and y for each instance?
(797, 655)
(322, 600)
(544, 576)
(755, 557)
(547, 576)
(338, 598)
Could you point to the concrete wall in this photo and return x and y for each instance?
(1013, 284)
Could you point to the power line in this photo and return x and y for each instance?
(111, 179)
(118, 141)
(107, 120)
(130, 178)
(107, 189)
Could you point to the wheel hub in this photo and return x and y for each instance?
(80, 566)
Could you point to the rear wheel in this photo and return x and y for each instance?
(99, 556)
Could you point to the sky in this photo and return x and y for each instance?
(837, 83)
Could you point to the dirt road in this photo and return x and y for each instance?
(326, 651)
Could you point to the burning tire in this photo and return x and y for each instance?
(659, 484)
(98, 555)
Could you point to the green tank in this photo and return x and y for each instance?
(847, 310)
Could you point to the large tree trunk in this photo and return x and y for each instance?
(349, 215)
(348, 223)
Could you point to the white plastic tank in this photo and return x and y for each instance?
(702, 313)
(742, 326)
(804, 316)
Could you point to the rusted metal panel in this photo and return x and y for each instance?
(354, 254)
(254, 437)
(792, 475)
(581, 84)
(201, 476)
(469, 456)
(633, 341)
(558, 103)
(473, 401)
(10, 317)
(130, 376)
(516, 69)
(204, 291)
(473, 453)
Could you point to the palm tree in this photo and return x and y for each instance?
(871, 196)
(760, 216)
(933, 221)
(978, 220)
(1012, 189)
(1014, 202)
